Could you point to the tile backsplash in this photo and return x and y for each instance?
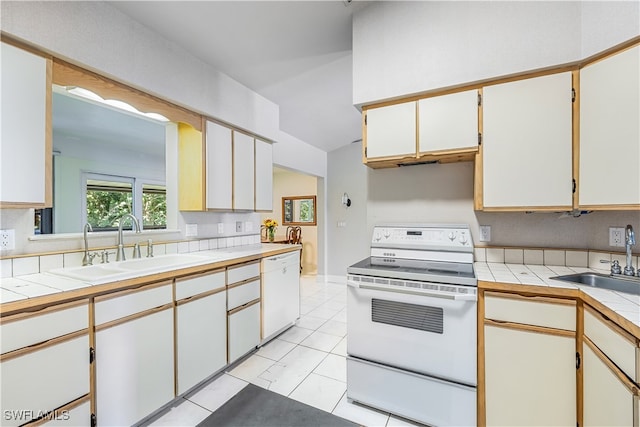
(569, 258)
(18, 266)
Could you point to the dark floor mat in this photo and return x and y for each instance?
(255, 406)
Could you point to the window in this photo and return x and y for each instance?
(107, 198)
(154, 206)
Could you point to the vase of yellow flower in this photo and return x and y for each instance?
(271, 225)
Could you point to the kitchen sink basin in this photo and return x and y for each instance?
(628, 284)
(104, 273)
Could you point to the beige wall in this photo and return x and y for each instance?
(287, 183)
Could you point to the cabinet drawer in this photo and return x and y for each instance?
(244, 331)
(191, 286)
(240, 295)
(76, 416)
(45, 379)
(22, 331)
(617, 346)
(122, 304)
(242, 272)
(538, 311)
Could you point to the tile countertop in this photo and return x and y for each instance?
(28, 286)
(625, 305)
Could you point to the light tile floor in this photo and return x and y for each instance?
(306, 363)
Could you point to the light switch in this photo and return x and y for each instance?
(220, 228)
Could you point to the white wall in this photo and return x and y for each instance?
(400, 48)
(293, 154)
(98, 37)
(441, 194)
(349, 244)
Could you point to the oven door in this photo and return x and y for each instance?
(427, 332)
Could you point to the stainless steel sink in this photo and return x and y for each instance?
(627, 284)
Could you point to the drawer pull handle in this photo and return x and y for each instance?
(92, 354)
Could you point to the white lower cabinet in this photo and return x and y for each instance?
(134, 356)
(530, 378)
(76, 415)
(201, 333)
(244, 330)
(44, 378)
(607, 401)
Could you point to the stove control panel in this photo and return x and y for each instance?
(452, 237)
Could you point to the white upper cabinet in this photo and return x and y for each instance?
(243, 172)
(610, 131)
(448, 122)
(527, 144)
(219, 166)
(391, 131)
(264, 176)
(25, 147)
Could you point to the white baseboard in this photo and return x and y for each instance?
(331, 279)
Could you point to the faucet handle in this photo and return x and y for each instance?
(149, 248)
(105, 256)
(136, 251)
(615, 267)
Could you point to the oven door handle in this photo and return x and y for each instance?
(461, 297)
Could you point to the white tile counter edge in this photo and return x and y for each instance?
(623, 304)
(38, 284)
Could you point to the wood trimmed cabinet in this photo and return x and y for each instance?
(40, 352)
(243, 305)
(553, 360)
(610, 132)
(26, 161)
(134, 367)
(201, 328)
(526, 144)
(529, 361)
(441, 128)
(557, 139)
(223, 170)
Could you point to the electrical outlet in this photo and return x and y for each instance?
(220, 228)
(7, 240)
(616, 236)
(239, 226)
(485, 233)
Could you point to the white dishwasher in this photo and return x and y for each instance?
(280, 293)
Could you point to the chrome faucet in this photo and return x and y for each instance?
(87, 259)
(629, 240)
(134, 224)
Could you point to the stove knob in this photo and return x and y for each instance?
(463, 239)
(452, 236)
(387, 234)
(376, 237)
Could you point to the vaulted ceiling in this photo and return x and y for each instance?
(294, 53)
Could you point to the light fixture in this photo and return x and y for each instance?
(346, 201)
(120, 105)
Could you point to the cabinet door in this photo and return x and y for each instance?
(201, 331)
(609, 131)
(134, 368)
(44, 379)
(448, 122)
(527, 144)
(607, 402)
(244, 331)
(25, 147)
(264, 176)
(530, 378)
(219, 167)
(391, 131)
(243, 172)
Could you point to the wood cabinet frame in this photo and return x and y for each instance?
(558, 296)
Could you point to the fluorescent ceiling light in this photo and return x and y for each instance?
(121, 105)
